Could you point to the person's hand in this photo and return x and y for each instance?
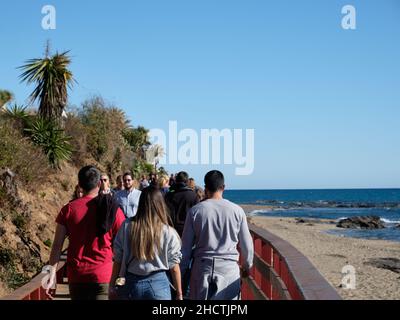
(50, 293)
(179, 297)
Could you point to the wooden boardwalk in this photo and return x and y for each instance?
(280, 272)
(62, 292)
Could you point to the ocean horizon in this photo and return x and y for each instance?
(333, 204)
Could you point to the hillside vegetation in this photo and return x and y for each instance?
(42, 150)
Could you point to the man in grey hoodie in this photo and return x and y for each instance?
(213, 230)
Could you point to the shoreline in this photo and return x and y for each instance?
(329, 253)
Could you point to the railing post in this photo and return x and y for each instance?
(258, 249)
(266, 255)
(35, 295)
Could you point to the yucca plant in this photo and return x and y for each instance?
(52, 78)
(53, 141)
(19, 114)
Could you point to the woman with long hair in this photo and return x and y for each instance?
(145, 249)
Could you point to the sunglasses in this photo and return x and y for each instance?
(103, 180)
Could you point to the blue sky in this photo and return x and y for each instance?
(324, 101)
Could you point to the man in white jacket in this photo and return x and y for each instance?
(213, 230)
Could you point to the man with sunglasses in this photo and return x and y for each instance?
(128, 199)
(105, 184)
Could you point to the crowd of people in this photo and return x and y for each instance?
(158, 238)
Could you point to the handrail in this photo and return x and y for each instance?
(34, 289)
(281, 272)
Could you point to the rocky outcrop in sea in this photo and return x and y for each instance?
(364, 222)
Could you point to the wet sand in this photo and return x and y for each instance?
(330, 253)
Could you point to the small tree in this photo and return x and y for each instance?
(154, 154)
(138, 140)
(52, 78)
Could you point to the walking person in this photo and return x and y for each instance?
(180, 199)
(90, 223)
(120, 184)
(145, 249)
(171, 180)
(144, 183)
(128, 198)
(213, 230)
(153, 179)
(163, 184)
(105, 187)
(197, 190)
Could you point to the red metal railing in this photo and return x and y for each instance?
(281, 272)
(34, 289)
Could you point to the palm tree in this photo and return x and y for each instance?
(138, 140)
(5, 97)
(52, 78)
(154, 154)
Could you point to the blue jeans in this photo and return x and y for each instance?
(152, 287)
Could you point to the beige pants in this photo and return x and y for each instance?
(215, 279)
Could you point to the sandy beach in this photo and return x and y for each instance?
(330, 253)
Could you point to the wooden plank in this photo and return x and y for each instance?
(62, 292)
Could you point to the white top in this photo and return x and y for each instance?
(168, 256)
(214, 228)
(128, 201)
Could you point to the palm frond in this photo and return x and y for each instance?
(53, 79)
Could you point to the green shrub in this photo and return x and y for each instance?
(10, 275)
(18, 115)
(52, 140)
(15, 280)
(48, 243)
(7, 257)
(104, 125)
(20, 221)
(75, 129)
(22, 157)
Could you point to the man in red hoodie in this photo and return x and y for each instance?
(90, 223)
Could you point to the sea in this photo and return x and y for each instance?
(329, 204)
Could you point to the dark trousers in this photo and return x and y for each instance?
(88, 291)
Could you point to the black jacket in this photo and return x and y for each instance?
(180, 199)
